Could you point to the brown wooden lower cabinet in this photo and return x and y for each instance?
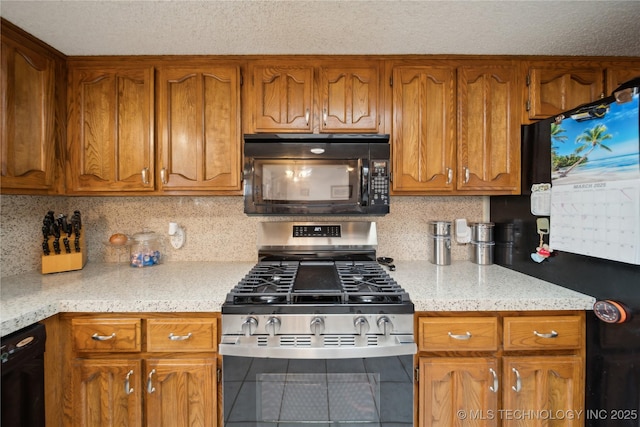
(457, 391)
(121, 373)
(180, 391)
(527, 370)
(535, 380)
(113, 392)
(107, 392)
(542, 389)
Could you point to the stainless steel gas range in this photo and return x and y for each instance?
(317, 332)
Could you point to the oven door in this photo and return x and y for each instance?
(376, 391)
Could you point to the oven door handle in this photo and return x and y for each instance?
(233, 346)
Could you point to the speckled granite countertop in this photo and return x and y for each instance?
(202, 287)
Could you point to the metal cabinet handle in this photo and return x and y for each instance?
(460, 337)
(145, 176)
(150, 387)
(466, 175)
(179, 337)
(495, 386)
(97, 337)
(127, 388)
(552, 334)
(449, 175)
(324, 116)
(518, 385)
(163, 175)
(306, 116)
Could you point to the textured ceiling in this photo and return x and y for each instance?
(153, 27)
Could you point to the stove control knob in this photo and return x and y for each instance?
(249, 326)
(272, 326)
(362, 326)
(385, 325)
(317, 326)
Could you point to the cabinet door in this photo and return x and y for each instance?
(617, 75)
(554, 89)
(282, 98)
(181, 392)
(110, 139)
(107, 392)
(28, 108)
(458, 391)
(424, 127)
(488, 129)
(199, 128)
(539, 385)
(349, 99)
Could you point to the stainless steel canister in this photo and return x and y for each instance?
(440, 245)
(481, 252)
(482, 232)
(440, 253)
(440, 228)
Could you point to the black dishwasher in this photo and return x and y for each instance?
(23, 377)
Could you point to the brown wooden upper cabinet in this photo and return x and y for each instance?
(110, 131)
(424, 128)
(618, 74)
(28, 141)
(305, 96)
(556, 86)
(456, 128)
(489, 128)
(199, 133)
(349, 95)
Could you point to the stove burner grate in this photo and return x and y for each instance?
(367, 282)
(266, 283)
(292, 282)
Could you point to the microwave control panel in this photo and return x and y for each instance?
(379, 182)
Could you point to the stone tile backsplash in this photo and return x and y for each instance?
(216, 228)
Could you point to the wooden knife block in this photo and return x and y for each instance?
(53, 263)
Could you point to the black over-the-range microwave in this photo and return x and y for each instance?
(316, 174)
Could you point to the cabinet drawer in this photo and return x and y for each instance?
(182, 334)
(458, 333)
(106, 334)
(540, 332)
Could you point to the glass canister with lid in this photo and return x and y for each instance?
(146, 249)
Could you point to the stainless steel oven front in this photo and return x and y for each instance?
(346, 368)
(317, 333)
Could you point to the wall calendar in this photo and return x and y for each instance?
(595, 192)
